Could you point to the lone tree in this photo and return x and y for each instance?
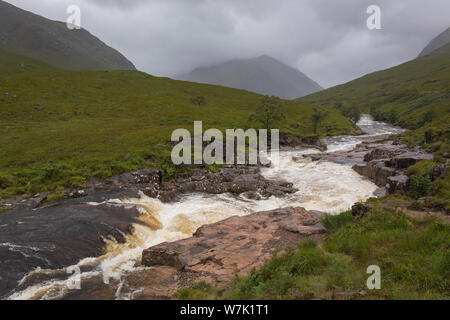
(269, 109)
(317, 117)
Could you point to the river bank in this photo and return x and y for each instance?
(296, 182)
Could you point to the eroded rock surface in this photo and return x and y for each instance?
(290, 141)
(383, 162)
(56, 237)
(237, 244)
(238, 180)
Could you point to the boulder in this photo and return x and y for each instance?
(398, 184)
(237, 244)
(376, 171)
(243, 180)
(382, 152)
(287, 140)
(407, 159)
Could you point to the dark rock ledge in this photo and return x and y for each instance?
(383, 162)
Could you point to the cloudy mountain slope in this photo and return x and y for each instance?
(438, 42)
(28, 34)
(264, 75)
(413, 94)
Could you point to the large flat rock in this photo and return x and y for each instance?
(237, 244)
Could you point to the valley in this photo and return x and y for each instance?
(113, 184)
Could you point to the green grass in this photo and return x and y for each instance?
(59, 128)
(414, 95)
(413, 256)
(418, 92)
(333, 222)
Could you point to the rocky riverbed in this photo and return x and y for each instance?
(382, 161)
(136, 236)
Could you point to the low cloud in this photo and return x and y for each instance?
(328, 40)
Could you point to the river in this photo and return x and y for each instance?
(322, 186)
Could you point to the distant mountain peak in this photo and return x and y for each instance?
(263, 74)
(437, 43)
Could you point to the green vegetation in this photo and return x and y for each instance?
(419, 186)
(59, 128)
(413, 256)
(417, 91)
(414, 95)
(334, 222)
(352, 112)
(269, 110)
(317, 117)
(423, 182)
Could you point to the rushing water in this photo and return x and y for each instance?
(321, 185)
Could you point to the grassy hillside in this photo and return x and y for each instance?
(438, 42)
(58, 128)
(28, 34)
(414, 95)
(411, 90)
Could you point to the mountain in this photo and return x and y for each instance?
(73, 125)
(438, 42)
(263, 75)
(28, 34)
(403, 95)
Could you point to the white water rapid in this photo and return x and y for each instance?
(321, 185)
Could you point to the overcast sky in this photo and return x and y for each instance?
(327, 40)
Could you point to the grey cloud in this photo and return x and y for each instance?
(328, 40)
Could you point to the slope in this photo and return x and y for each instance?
(28, 34)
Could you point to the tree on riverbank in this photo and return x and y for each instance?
(317, 117)
(269, 110)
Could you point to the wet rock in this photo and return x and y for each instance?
(376, 170)
(381, 192)
(144, 176)
(37, 200)
(58, 236)
(252, 195)
(237, 244)
(77, 194)
(241, 180)
(287, 140)
(360, 210)
(407, 159)
(386, 164)
(398, 184)
(385, 152)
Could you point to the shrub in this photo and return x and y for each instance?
(5, 182)
(420, 186)
(198, 101)
(169, 173)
